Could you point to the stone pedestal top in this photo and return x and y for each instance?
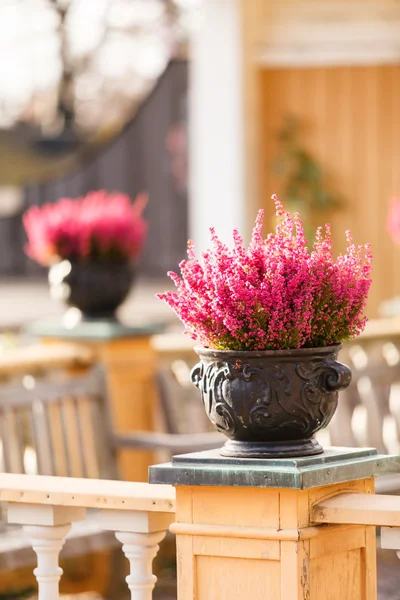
(335, 465)
(91, 330)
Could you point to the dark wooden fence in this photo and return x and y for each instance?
(137, 160)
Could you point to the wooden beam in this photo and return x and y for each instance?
(38, 357)
(86, 493)
(358, 509)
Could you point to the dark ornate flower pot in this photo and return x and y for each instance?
(270, 403)
(97, 289)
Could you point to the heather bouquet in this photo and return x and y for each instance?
(277, 294)
(101, 226)
(90, 245)
(270, 319)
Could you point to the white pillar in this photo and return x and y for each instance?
(140, 532)
(47, 543)
(216, 124)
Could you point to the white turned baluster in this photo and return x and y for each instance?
(47, 527)
(140, 532)
(140, 549)
(47, 543)
(390, 539)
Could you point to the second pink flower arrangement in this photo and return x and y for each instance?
(91, 245)
(101, 226)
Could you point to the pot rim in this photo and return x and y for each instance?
(211, 352)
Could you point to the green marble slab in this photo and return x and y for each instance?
(335, 465)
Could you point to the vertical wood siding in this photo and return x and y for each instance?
(351, 123)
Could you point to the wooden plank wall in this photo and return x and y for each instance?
(351, 118)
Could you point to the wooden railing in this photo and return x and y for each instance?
(140, 514)
(45, 507)
(363, 509)
(39, 358)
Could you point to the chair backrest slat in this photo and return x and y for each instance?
(80, 432)
(11, 447)
(41, 438)
(20, 420)
(5, 446)
(57, 438)
(72, 438)
(50, 438)
(87, 436)
(66, 433)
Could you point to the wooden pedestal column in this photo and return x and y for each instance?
(244, 527)
(130, 364)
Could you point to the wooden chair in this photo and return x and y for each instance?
(64, 427)
(56, 423)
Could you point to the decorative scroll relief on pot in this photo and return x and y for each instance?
(270, 400)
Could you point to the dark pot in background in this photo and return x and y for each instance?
(97, 289)
(270, 403)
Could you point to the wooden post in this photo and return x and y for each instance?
(245, 528)
(130, 363)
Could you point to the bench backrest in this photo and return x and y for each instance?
(57, 425)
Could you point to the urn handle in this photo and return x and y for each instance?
(338, 375)
(196, 374)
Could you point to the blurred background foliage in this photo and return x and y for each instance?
(307, 188)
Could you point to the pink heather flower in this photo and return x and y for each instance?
(393, 220)
(100, 226)
(274, 295)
